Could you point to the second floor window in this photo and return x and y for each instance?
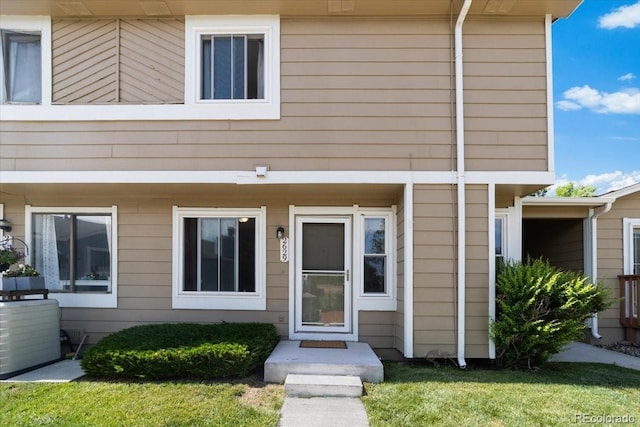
(20, 67)
(232, 66)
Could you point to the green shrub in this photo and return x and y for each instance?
(183, 350)
(540, 309)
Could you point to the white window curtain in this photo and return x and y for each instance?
(21, 67)
(47, 262)
(261, 71)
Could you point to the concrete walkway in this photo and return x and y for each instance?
(585, 353)
(60, 372)
(323, 412)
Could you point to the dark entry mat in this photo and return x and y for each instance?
(323, 344)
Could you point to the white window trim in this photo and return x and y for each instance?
(259, 109)
(383, 301)
(628, 225)
(109, 300)
(219, 300)
(41, 24)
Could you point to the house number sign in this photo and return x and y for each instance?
(284, 249)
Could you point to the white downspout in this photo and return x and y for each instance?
(593, 216)
(460, 181)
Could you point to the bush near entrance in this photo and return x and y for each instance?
(181, 351)
(539, 310)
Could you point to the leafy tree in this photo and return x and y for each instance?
(573, 190)
(540, 193)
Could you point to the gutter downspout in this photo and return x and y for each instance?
(593, 216)
(460, 182)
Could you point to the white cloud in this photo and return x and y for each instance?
(626, 101)
(624, 16)
(604, 183)
(628, 76)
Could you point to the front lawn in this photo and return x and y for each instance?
(104, 404)
(560, 394)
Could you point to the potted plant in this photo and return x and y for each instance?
(24, 278)
(9, 256)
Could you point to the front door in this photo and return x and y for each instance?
(323, 276)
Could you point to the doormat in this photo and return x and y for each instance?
(323, 344)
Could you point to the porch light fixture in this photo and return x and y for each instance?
(280, 232)
(5, 225)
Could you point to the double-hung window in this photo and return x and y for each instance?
(74, 249)
(20, 67)
(219, 258)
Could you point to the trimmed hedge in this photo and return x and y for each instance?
(181, 351)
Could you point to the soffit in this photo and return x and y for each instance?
(312, 8)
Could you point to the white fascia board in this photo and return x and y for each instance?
(567, 201)
(223, 177)
(273, 177)
(509, 177)
(622, 192)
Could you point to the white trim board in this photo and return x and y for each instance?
(273, 177)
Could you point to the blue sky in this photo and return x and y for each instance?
(596, 65)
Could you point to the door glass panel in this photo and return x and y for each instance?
(323, 299)
(323, 274)
(323, 247)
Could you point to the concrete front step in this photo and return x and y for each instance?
(322, 386)
(357, 360)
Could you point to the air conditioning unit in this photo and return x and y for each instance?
(29, 335)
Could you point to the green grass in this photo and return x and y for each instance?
(412, 395)
(104, 404)
(417, 395)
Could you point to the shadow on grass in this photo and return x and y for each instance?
(583, 374)
(253, 380)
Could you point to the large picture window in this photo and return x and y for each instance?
(75, 249)
(219, 258)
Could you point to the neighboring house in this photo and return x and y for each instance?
(599, 236)
(153, 154)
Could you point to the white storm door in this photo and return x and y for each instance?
(323, 275)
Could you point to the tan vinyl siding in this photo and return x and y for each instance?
(477, 272)
(377, 328)
(118, 60)
(505, 95)
(145, 247)
(355, 95)
(434, 265)
(611, 260)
